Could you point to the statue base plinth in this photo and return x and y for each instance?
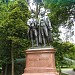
(40, 61)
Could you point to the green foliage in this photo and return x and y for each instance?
(60, 1)
(61, 13)
(13, 31)
(3, 11)
(64, 49)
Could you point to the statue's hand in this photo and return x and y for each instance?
(50, 28)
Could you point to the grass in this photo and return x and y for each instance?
(64, 74)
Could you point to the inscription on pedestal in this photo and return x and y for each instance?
(38, 59)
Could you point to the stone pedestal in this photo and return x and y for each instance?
(40, 61)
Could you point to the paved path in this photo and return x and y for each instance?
(68, 71)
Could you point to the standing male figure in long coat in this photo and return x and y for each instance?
(32, 31)
(44, 28)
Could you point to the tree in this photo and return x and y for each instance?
(61, 13)
(3, 11)
(13, 38)
(64, 49)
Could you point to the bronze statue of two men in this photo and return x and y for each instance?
(40, 30)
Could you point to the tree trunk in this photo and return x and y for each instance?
(12, 59)
(59, 70)
(5, 70)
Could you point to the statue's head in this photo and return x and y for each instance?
(32, 15)
(42, 11)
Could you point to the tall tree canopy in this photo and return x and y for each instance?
(62, 13)
(13, 30)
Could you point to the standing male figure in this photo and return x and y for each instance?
(32, 31)
(44, 28)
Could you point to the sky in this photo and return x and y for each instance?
(31, 5)
(64, 32)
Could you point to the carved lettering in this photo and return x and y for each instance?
(43, 58)
(38, 59)
(33, 59)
